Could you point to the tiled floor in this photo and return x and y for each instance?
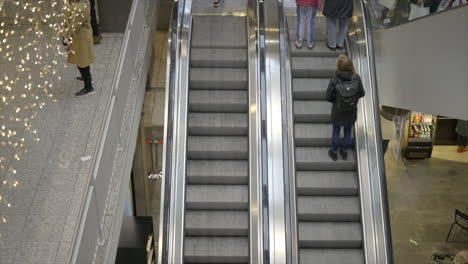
(40, 224)
(423, 195)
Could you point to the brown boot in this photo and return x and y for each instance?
(464, 149)
(459, 149)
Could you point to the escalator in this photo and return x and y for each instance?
(217, 177)
(327, 192)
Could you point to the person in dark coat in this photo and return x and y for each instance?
(462, 139)
(338, 13)
(342, 119)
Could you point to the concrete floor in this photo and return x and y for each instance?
(423, 195)
(40, 222)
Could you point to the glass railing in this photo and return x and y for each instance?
(390, 13)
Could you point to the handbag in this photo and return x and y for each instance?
(418, 11)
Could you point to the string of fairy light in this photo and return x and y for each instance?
(31, 58)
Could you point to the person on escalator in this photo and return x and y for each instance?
(338, 13)
(344, 91)
(306, 9)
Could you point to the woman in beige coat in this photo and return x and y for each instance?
(79, 37)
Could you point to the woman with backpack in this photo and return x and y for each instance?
(344, 91)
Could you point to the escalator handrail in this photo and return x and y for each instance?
(374, 201)
(170, 247)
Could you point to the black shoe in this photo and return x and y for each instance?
(339, 48)
(332, 49)
(216, 3)
(85, 92)
(333, 155)
(79, 78)
(344, 154)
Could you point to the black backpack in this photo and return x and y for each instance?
(347, 95)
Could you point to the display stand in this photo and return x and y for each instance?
(420, 135)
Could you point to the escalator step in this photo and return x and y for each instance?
(328, 208)
(317, 159)
(218, 78)
(312, 111)
(318, 67)
(217, 148)
(217, 172)
(218, 124)
(217, 197)
(217, 32)
(310, 88)
(218, 101)
(217, 223)
(216, 250)
(218, 58)
(330, 235)
(327, 183)
(312, 134)
(320, 50)
(341, 256)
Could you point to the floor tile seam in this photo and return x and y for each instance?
(20, 244)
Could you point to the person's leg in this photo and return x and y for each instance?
(331, 32)
(312, 12)
(343, 30)
(88, 82)
(94, 23)
(347, 138)
(301, 14)
(333, 152)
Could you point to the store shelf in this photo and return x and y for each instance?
(413, 139)
(422, 123)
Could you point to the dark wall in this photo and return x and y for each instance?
(113, 14)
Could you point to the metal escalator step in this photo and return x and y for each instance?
(315, 134)
(328, 208)
(216, 250)
(217, 223)
(218, 58)
(330, 235)
(310, 88)
(217, 148)
(320, 50)
(218, 101)
(220, 124)
(312, 111)
(218, 32)
(217, 172)
(317, 159)
(320, 28)
(341, 256)
(327, 183)
(217, 197)
(317, 67)
(219, 78)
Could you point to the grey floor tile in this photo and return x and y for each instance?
(36, 253)
(45, 228)
(51, 202)
(8, 251)
(62, 254)
(58, 179)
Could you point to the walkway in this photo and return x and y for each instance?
(40, 224)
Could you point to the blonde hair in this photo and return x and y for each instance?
(344, 63)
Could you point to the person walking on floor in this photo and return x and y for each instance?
(462, 135)
(338, 13)
(216, 3)
(306, 9)
(344, 91)
(78, 37)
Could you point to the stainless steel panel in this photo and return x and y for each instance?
(274, 131)
(255, 137)
(374, 204)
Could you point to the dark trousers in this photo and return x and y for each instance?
(336, 137)
(94, 23)
(86, 74)
(462, 140)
